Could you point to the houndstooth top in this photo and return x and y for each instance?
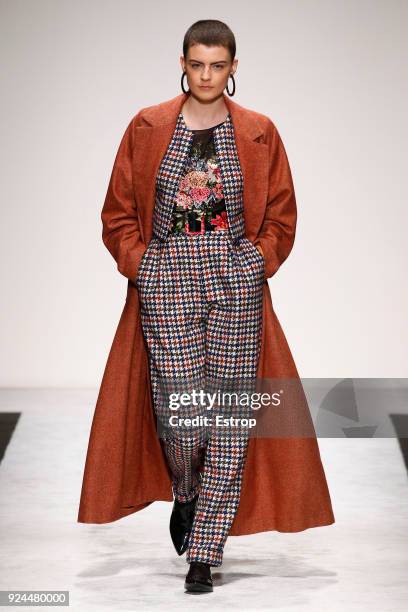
(199, 203)
(172, 170)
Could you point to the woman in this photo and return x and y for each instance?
(204, 312)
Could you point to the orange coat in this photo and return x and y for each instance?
(284, 486)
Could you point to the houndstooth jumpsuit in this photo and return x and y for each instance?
(200, 286)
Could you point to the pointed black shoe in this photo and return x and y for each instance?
(199, 579)
(181, 522)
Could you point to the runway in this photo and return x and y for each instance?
(360, 563)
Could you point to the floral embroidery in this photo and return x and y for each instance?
(221, 220)
(200, 203)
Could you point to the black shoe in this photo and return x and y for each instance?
(181, 522)
(199, 577)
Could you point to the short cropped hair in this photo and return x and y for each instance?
(210, 32)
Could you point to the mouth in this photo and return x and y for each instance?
(205, 87)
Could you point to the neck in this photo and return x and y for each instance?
(200, 114)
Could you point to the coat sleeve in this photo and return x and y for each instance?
(121, 231)
(277, 233)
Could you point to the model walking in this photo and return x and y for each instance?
(200, 285)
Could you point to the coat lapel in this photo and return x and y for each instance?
(153, 138)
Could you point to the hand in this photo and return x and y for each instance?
(258, 246)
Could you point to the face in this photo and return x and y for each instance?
(208, 69)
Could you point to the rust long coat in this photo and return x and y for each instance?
(284, 486)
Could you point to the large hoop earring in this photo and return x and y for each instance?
(182, 85)
(233, 82)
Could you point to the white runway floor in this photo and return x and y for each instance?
(358, 564)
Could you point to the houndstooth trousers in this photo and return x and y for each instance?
(201, 312)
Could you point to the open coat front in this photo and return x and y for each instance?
(284, 486)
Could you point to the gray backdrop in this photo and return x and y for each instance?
(332, 77)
